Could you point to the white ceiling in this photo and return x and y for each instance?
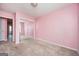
(41, 9)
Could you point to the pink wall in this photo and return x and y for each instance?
(59, 27)
(6, 14)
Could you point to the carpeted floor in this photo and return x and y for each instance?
(31, 47)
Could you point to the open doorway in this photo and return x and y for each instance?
(9, 30)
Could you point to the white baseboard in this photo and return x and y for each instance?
(49, 42)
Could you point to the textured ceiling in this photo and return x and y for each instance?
(41, 9)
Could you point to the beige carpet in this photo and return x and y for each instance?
(31, 47)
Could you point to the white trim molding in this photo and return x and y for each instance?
(49, 42)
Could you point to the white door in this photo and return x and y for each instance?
(3, 29)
